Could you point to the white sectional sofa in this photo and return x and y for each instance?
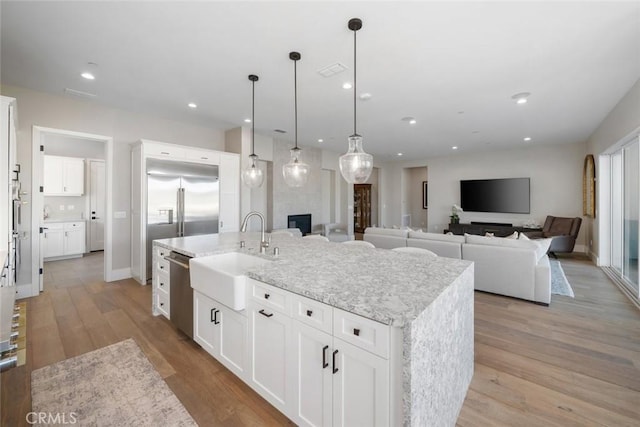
(517, 268)
(386, 238)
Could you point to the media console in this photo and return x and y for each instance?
(481, 228)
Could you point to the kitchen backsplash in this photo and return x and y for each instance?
(60, 207)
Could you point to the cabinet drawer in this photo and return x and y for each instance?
(161, 252)
(68, 226)
(162, 281)
(54, 226)
(161, 150)
(270, 296)
(204, 156)
(313, 313)
(162, 265)
(162, 303)
(364, 333)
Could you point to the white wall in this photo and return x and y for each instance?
(416, 176)
(556, 183)
(619, 123)
(62, 112)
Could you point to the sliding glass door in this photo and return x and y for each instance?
(625, 214)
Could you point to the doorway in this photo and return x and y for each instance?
(74, 209)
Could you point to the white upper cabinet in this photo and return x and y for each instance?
(63, 176)
(229, 192)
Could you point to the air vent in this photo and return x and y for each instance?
(79, 93)
(332, 70)
(280, 131)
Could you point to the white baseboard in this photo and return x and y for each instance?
(123, 273)
(581, 248)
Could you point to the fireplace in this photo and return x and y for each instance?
(303, 222)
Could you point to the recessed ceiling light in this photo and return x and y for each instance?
(528, 138)
(321, 140)
(455, 147)
(346, 85)
(247, 120)
(399, 154)
(192, 105)
(412, 121)
(521, 98)
(88, 76)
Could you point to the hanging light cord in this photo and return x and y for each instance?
(253, 114)
(295, 97)
(355, 83)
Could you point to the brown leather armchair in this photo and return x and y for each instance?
(564, 232)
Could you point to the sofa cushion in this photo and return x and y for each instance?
(386, 231)
(436, 236)
(500, 241)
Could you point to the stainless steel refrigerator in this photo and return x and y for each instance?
(182, 200)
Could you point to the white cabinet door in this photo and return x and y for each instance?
(52, 179)
(232, 340)
(205, 321)
(53, 243)
(74, 238)
(73, 176)
(229, 193)
(63, 176)
(270, 346)
(360, 387)
(313, 376)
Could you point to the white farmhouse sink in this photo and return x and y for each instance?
(222, 277)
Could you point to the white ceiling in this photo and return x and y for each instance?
(452, 65)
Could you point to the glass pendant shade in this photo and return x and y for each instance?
(252, 175)
(355, 164)
(295, 172)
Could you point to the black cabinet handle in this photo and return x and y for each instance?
(309, 313)
(356, 332)
(324, 356)
(213, 310)
(265, 314)
(266, 296)
(334, 361)
(215, 317)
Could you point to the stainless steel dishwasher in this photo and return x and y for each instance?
(181, 303)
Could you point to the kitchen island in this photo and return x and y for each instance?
(420, 311)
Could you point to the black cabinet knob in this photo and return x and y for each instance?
(356, 332)
(266, 296)
(309, 313)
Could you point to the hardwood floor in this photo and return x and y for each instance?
(576, 362)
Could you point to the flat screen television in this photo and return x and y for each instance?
(302, 222)
(510, 195)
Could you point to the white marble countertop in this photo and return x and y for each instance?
(383, 285)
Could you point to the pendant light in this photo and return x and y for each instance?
(295, 172)
(355, 164)
(252, 175)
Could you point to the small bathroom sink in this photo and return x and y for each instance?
(222, 277)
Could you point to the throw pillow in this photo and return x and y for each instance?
(449, 233)
(543, 247)
(523, 237)
(487, 234)
(512, 236)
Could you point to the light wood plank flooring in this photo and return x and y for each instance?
(576, 362)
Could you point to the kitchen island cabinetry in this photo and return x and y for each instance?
(221, 331)
(389, 347)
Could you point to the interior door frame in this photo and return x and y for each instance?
(37, 201)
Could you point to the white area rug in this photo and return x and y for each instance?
(111, 386)
(559, 283)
